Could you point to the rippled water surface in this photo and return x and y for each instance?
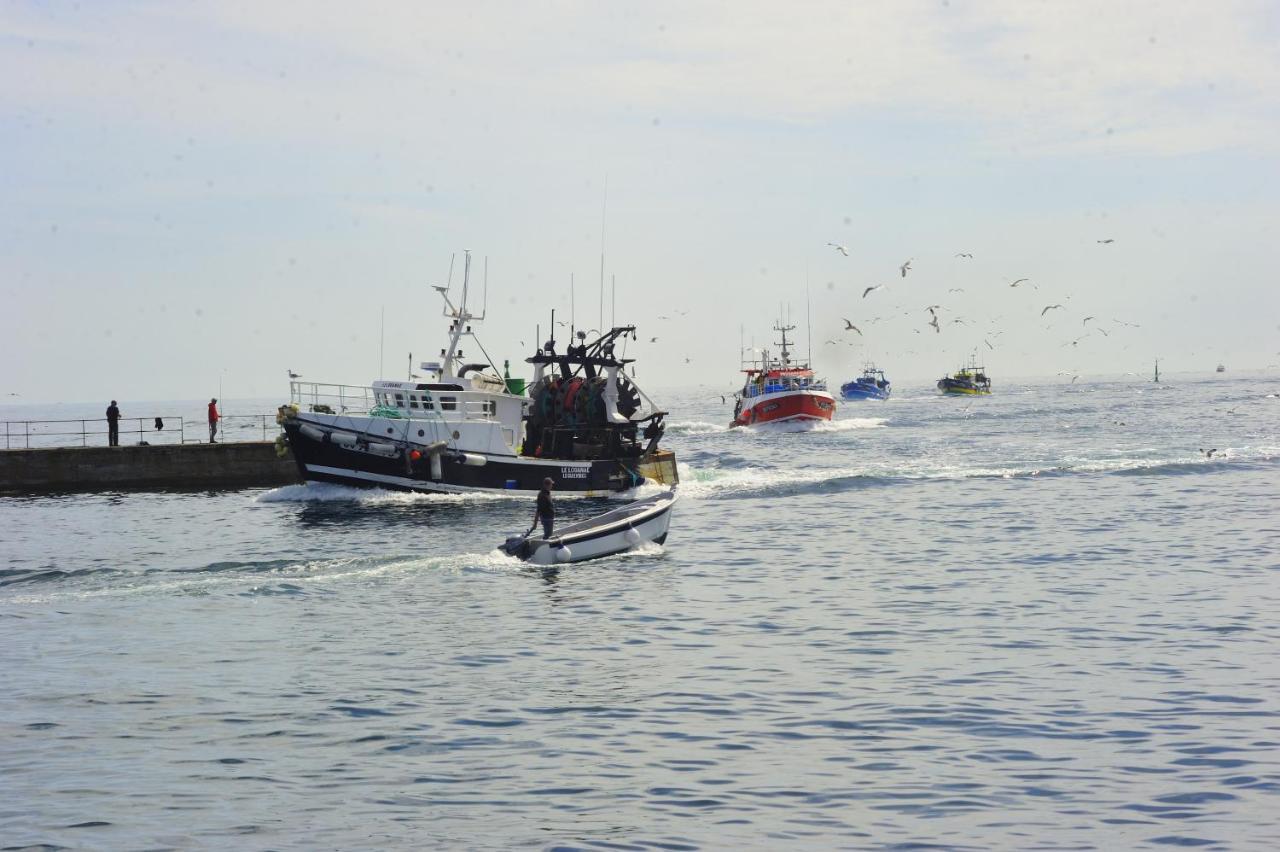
(1040, 620)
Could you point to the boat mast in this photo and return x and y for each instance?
(786, 353)
(1157, 379)
(460, 318)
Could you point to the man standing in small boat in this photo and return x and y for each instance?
(545, 511)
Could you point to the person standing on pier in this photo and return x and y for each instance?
(113, 425)
(214, 417)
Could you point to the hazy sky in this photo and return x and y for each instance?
(203, 192)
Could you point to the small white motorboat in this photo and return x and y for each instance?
(616, 531)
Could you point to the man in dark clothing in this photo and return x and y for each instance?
(113, 425)
(546, 512)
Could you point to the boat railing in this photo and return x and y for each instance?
(331, 399)
(322, 398)
(776, 386)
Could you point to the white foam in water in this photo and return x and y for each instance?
(849, 425)
(696, 427)
(323, 492)
(698, 483)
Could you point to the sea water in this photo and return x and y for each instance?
(1044, 619)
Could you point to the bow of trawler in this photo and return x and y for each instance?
(464, 428)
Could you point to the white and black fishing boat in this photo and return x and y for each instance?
(585, 423)
(616, 531)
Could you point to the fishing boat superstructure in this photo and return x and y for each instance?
(585, 424)
(969, 380)
(870, 385)
(779, 390)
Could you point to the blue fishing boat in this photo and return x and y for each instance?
(870, 385)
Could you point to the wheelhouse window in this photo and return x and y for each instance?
(449, 403)
(399, 400)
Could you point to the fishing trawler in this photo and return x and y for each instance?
(969, 380)
(870, 385)
(585, 423)
(779, 390)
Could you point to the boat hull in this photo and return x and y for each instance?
(334, 457)
(646, 521)
(951, 387)
(858, 390)
(790, 407)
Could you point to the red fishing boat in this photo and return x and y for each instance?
(779, 390)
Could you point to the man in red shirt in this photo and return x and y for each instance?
(214, 417)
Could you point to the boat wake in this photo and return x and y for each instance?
(848, 425)
(696, 427)
(711, 483)
(324, 492)
(273, 577)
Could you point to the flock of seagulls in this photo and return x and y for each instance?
(1090, 324)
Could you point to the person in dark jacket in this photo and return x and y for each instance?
(113, 425)
(545, 512)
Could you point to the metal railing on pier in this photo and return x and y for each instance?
(135, 431)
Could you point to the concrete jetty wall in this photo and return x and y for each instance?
(236, 465)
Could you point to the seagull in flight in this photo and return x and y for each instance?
(989, 346)
(844, 251)
(1085, 321)
(848, 326)
(904, 267)
(956, 290)
(871, 290)
(934, 322)
(1019, 281)
(965, 254)
(653, 340)
(1048, 308)
(1208, 453)
(1104, 242)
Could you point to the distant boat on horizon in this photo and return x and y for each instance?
(1221, 368)
(969, 380)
